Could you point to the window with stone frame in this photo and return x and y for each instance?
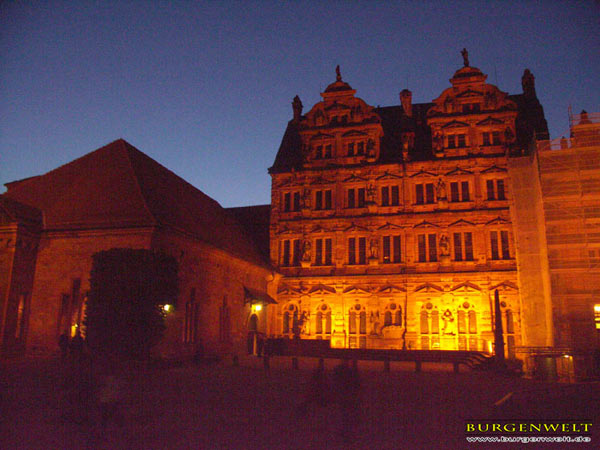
(467, 328)
(323, 151)
(390, 195)
(357, 250)
(495, 189)
(463, 246)
(427, 247)
(500, 247)
(291, 201)
(459, 191)
(323, 321)
(355, 198)
(290, 252)
(490, 138)
(391, 249)
(392, 315)
(430, 328)
(323, 200)
(290, 319)
(357, 327)
(456, 140)
(323, 252)
(424, 193)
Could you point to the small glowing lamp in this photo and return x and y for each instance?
(167, 308)
(567, 356)
(257, 307)
(597, 308)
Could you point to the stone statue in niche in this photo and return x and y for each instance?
(465, 55)
(374, 248)
(306, 250)
(438, 142)
(444, 246)
(448, 320)
(306, 198)
(441, 190)
(374, 319)
(370, 148)
(371, 192)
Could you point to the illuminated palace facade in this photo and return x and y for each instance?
(392, 226)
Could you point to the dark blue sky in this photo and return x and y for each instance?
(205, 88)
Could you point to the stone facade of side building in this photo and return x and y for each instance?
(117, 197)
(392, 227)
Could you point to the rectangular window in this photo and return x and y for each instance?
(432, 247)
(286, 254)
(297, 253)
(351, 149)
(328, 258)
(385, 196)
(468, 246)
(361, 197)
(323, 200)
(495, 138)
(351, 198)
(328, 202)
(454, 195)
(491, 195)
(319, 200)
(422, 248)
(319, 252)
(360, 148)
(352, 251)
(420, 196)
(397, 249)
(504, 243)
(327, 151)
(395, 196)
(462, 140)
(429, 198)
(451, 141)
(500, 189)
(362, 250)
(319, 152)
(386, 249)
(494, 244)
(296, 206)
(458, 255)
(287, 202)
(464, 188)
(486, 139)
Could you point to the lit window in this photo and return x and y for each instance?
(597, 316)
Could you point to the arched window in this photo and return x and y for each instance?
(323, 321)
(424, 322)
(462, 321)
(435, 322)
(357, 327)
(290, 318)
(393, 315)
(398, 317)
(472, 322)
(387, 318)
(253, 323)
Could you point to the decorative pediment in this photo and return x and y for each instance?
(426, 224)
(322, 289)
(388, 176)
(353, 133)
(423, 173)
(498, 221)
(321, 180)
(319, 229)
(505, 286)
(490, 121)
(466, 287)
(354, 227)
(455, 124)
(287, 230)
(462, 223)
(354, 178)
(459, 171)
(321, 136)
(494, 168)
(337, 107)
(391, 289)
(469, 93)
(356, 290)
(389, 226)
(285, 289)
(428, 287)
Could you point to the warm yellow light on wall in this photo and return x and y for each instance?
(167, 308)
(257, 307)
(597, 316)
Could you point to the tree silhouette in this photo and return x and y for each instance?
(128, 289)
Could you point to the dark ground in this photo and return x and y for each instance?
(221, 406)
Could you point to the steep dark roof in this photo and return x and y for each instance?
(12, 211)
(256, 221)
(117, 186)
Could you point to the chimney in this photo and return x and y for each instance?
(297, 107)
(406, 100)
(528, 83)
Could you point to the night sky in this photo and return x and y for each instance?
(205, 88)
